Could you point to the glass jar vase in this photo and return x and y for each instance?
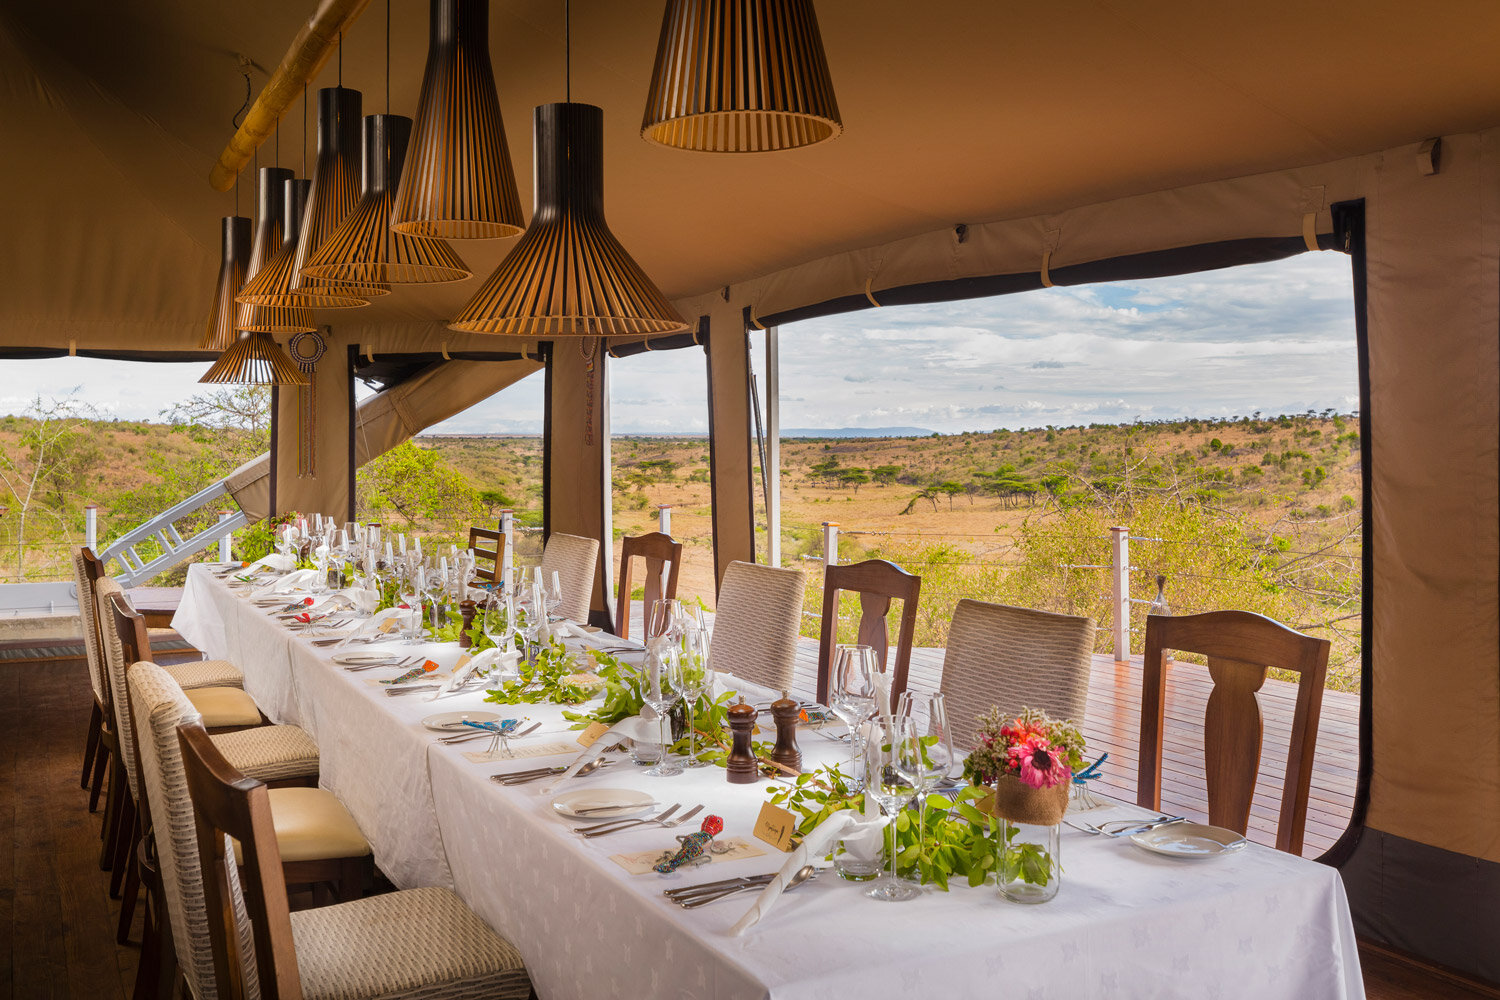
(1029, 869)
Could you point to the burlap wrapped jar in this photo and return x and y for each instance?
(1018, 802)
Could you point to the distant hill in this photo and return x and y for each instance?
(856, 432)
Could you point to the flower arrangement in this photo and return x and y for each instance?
(1040, 751)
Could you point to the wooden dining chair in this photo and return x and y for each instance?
(488, 545)
(575, 560)
(662, 555)
(95, 754)
(878, 583)
(757, 622)
(1014, 658)
(1239, 647)
(414, 943)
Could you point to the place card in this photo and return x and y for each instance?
(463, 661)
(534, 750)
(591, 735)
(642, 862)
(775, 826)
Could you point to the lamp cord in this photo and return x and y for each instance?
(304, 130)
(387, 56)
(567, 50)
(235, 120)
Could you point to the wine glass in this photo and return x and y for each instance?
(851, 695)
(497, 620)
(554, 591)
(661, 691)
(537, 629)
(665, 620)
(697, 681)
(409, 580)
(320, 565)
(892, 757)
(936, 751)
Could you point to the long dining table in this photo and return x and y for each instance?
(1126, 923)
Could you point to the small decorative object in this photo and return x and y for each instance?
(692, 847)
(466, 611)
(741, 767)
(415, 672)
(786, 713)
(306, 348)
(1029, 761)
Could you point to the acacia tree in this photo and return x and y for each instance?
(44, 473)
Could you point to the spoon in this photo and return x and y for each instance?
(803, 874)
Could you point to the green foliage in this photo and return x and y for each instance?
(417, 485)
(554, 677)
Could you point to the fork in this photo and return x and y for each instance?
(659, 821)
(610, 827)
(410, 661)
(466, 737)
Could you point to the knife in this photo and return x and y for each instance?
(1143, 827)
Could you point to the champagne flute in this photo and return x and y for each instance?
(936, 752)
(892, 759)
(852, 696)
(697, 681)
(661, 691)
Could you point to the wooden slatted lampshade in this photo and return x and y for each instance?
(275, 278)
(364, 249)
(220, 332)
(278, 223)
(568, 275)
(334, 190)
(458, 182)
(255, 359)
(740, 76)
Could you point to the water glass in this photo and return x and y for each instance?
(892, 758)
(851, 695)
(662, 689)
(697, 681)
(927, 715)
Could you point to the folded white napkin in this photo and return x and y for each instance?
(300, 580)
(276, 562)
(842, 825)
(611, 736)
(487, 660)
(372, 624)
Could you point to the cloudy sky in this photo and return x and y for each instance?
(1275, 337)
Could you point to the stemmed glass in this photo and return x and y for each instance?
(554, 592)
(892, 757)
(320, 564)
(662, 689)
(697, 681)
(409, 579)
(286, 539)
(935, 744)
(536, 630)
(852, 695)
(665, 621)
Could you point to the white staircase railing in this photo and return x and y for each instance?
(162, 530)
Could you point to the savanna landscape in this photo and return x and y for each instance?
(1260, 513)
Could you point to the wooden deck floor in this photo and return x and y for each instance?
(57, 921)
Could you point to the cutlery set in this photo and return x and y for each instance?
(466, 737)
(1132, 826)
(410, 661)
(692, 896)
(538, 773)
(666, 819)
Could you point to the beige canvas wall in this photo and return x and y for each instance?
(578, 487)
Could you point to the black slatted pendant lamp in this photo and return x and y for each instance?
(334, 190)
(220, 332)
(740, 76)
(458, 182)
(568, 275)
(255, 359)
(270, 234)
(266, 318)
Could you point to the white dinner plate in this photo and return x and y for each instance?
(1189, 840)
(603, 803)
(364, 659)
(453, 722)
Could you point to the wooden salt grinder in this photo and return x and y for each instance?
(741, 768)
(466, 609)
(786, 713)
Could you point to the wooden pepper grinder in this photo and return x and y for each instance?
(786, 712)
(466, 609)
(741, 767)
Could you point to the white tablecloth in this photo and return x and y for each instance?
(1126, 923)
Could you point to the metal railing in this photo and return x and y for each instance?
(162, 532)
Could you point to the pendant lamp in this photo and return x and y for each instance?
(568, 275)
(220, 332)
(278, 221)
(364, 249)
(255, 359)
(740, 76)
(269, 318)
(458, 183)
(334, 190)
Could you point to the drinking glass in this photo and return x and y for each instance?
(320, 565)
(537, 630)
(892, 757)
(286, 539)
(935, 743)
(665, 620)
(662, 689)
(697, 681)
(851, 694)
(409, 580)
(554, 591)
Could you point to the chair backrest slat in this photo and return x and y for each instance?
(1239, 647)
(488, 544)
(877, 582)
(658, 550)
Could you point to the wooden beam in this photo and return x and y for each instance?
(317, 40)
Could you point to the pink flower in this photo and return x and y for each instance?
(1041, 766)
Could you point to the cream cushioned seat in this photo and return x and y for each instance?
(312, 825)
(270, 753)
(362, 950)
(224, 706)
(205, 673)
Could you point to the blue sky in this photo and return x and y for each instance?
(1275, 337)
